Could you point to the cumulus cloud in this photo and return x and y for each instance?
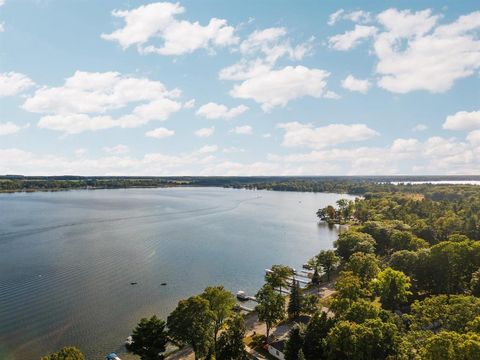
(420, 127)
(8, 128)
(205, 132)
(218, 111)
(13, 83)
(260, 52)
(358, 16)
(86, 102)
(415, 52)
(160, 133)
(147, 24)
(351, 39)
(298, 134)
(462, 120)
(242, 130)
(353, 84)
(278, 87)
(13, 160)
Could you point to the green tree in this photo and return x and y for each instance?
(360, 310)
(365, 266)
(353, 241)
(294, 343)
(405, 261)
(445, 312)
(278, 276)
(475, 283)
(393, 287)
(295, 302)
(221, 303)
(314, 344)
(372, 339)
(449, 345)
(310, 304)
(328, 260)
(230, 343)
(270, 308)
(191, 323)
(66, 353)
(149, 339)
(348, 289)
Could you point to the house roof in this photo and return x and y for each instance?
(278, 344)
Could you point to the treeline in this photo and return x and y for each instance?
(337, 184)
(408, 281)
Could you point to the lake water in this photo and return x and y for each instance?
(67, 258)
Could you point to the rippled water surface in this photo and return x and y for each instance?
(67, 258)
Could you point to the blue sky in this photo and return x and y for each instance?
(239, 87)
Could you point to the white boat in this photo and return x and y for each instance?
(242, 296)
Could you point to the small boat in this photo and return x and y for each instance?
(163, 284)
(129, 340)
(133, 283)
(242, 296)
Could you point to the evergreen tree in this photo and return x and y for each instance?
(296, 301)
(294, 343)
(149, 339)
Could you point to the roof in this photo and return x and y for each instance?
(278, 344)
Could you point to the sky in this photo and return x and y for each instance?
(117, 87)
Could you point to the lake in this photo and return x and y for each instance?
(67, 258)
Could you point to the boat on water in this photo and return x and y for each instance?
(242, 296)
(129, 341)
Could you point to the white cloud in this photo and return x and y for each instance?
(405, 145)
(147, 23)
(160, 133)
(358, 16)
(205, 132)
(432, 57)
(8, 128)
(261, 51)
(353, 84)
(351, 39)
(117, 149)
(233, 150)
(2, 27)
(208, 149)
(75, 123)
(84, 101)
(298, 134)
(2, 2)
(13, 83)
(273, 44)
(278, 87)
(416, 53)
(242, 130)
(334, 17)
(420, 127)
(462, 120)
(473, 137)
(331, 95)
(151, 164)
(219, 111)
(81, 152)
